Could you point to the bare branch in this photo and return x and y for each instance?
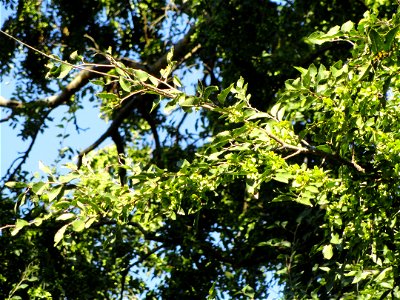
(123, 112)
(6, 226)
(181, 49)
(10, 103)
(10, 174)
(6, 119)
(79, 81)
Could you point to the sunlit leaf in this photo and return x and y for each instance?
(60, 234)
(141, 75)
(44, 168)
(64, 70)
(65, 216)
(327, 251)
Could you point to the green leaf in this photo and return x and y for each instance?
(78, 225)
(97, 82)
(44, 168)
(65, 216)
(141, 75)
(312, 189)
(274, 109)
(165, 72)
(224, 93)
(90, 222)
(283, 177)
(212, 293)
(322, 73)
(361, 275)
(170, 55)
(326, 269)
(389, 37)
(188, 101)
(15, 185)
(376, 41)
(155, 104)
(19, 224)
(335, 239)
(280, 114)
(214, 156)
(304, 199)
(68, 177)
(107, 96)
(125, 84)
(176, 81)
(333, 31)
(39, 187)
(324, 148)
(312, 70)
(54, 193)
(248, 291)
(22, 286)
(316, 38)
(337, 69)
(171, 105)
(74, 55)
(327, 251)
(60, 234)
(346, 27)
(259, 115)
(154, 80)
(121, 69)
(240, 83)
(209, 90)
(364, 70)
(64, 70)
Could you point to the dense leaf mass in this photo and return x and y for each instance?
(286, 180)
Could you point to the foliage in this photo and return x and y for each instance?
(305, 190)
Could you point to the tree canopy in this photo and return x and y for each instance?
(289, 175)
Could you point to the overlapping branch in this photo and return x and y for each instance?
(183, 49)
(308, 149)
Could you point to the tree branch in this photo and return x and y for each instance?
(10, 174)
(123, 112)
(181, 49)
(88, 72)
(311, 150)
(137, 262)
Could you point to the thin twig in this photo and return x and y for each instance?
(7, 118)
(7, 226)
(56, 58)
(114, 125)
(10, 174)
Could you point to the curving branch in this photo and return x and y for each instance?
(120, 116)
(79, 81)
(308, 149)
(182, 50)
(6, 119)
(10, 103)
(10, 174)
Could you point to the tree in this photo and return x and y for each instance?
(299, 179)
